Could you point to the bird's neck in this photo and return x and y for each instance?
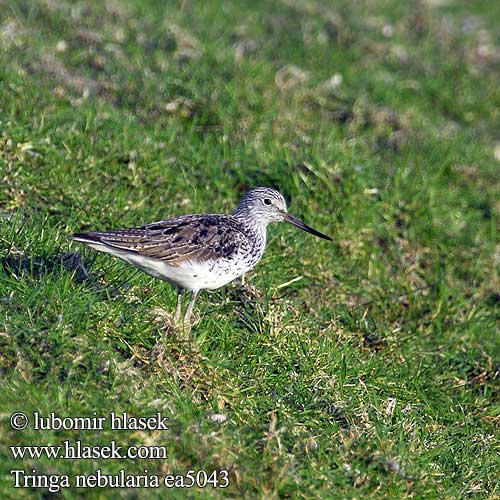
(250, 223)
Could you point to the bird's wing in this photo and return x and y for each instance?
(189, 237)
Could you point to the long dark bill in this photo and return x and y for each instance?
(302, 225)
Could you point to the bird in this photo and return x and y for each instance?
(199, 251)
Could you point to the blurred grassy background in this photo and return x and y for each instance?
(366, 368)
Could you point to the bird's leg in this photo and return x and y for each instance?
(178, 309)
(189, 310)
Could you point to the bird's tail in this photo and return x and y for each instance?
(86, 237)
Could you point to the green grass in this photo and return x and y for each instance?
(366, 368)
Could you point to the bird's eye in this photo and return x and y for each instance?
(267, 201)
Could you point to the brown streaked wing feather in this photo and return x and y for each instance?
(190, 237)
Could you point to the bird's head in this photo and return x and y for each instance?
(265, 205)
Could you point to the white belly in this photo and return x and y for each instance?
(188, 275)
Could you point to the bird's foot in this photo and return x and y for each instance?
(183, 330)
(185, 326)
(164, 321)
